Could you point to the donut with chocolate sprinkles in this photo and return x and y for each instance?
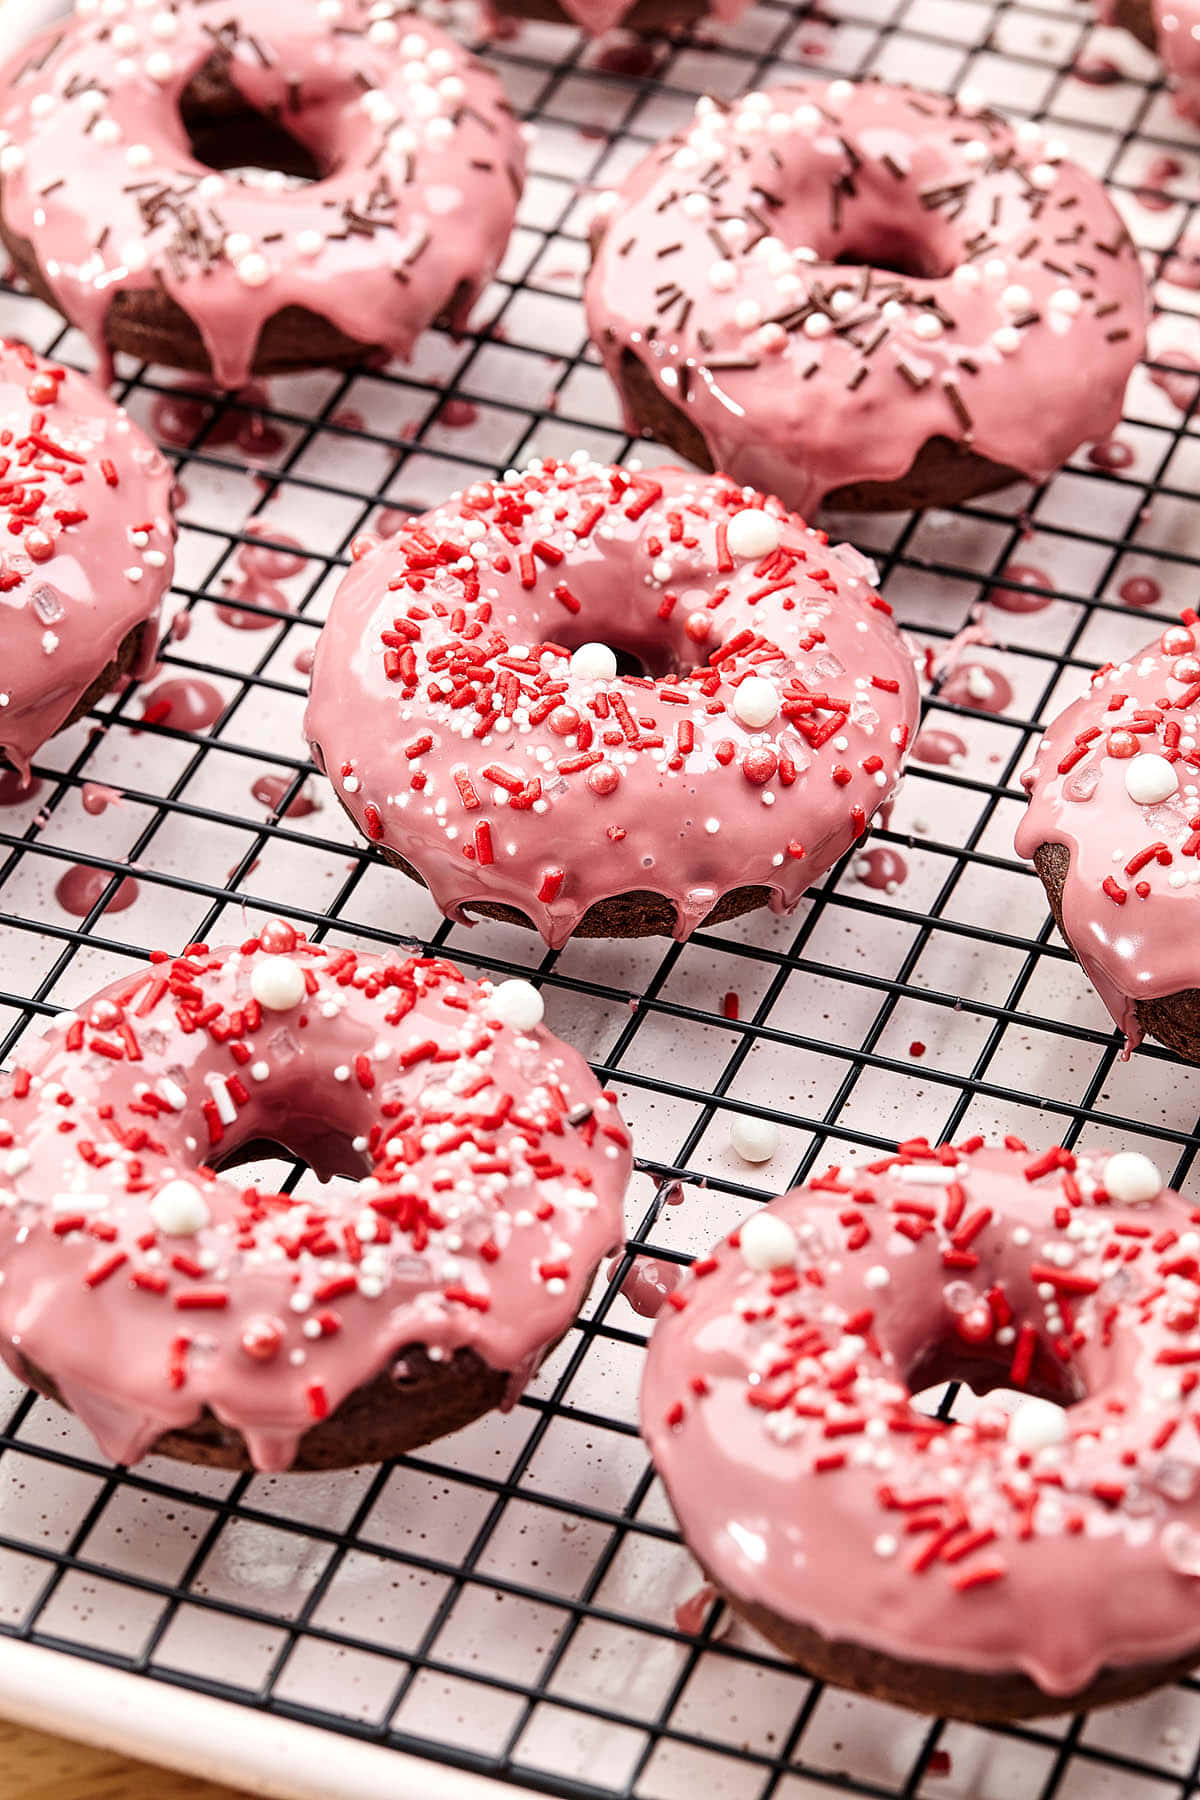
(1016, 1560)
(257, 189)
(174, 1309)
(609, 701)
(865, 296)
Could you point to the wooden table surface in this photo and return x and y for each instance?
(36, 1767)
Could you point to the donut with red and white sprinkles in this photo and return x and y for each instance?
(1113, 828)
(866, 295)
(173, 1309)
(378, 167)
(1021, 1562)
(469, 708)
(86, 551)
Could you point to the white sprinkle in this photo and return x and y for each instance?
(254, 270)
(877, 1276)
(767, 1242)
(752, 533)
(277, 983)
(1150, 779)
(12, 158)
(309, 243)
(1037, 1424)
(517, 1003)
(755, 1140)
(593, 662)
(260, 1071)
(722, 276)
(179, 1209)
(755, 700)
(1131, 1178)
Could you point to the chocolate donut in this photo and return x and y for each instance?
(1113, 828)
(467, 707)
(995, 1569)
(174, 1310)
(87, 554)
(865, 296)
(393, 166)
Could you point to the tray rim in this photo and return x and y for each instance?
(196, 1734)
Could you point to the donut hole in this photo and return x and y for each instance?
(894, 246)
(985, 1369)
(225, 132)
(650, 655)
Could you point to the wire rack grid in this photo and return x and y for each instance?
(514, 1601)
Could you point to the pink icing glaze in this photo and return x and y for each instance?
(496, 1165)
(1126, 914)
(454, 728)
(87, 555)
(777, 1410)
(423, 158)
(802, 375)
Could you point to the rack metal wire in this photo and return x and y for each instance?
(506, 1601)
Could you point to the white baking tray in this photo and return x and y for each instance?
(501, 1609)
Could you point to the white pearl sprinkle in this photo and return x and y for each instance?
(517, 1003)
(755, 1140)
(752, 533)
(756, 701)
(277, 983)
(1150, 779)
(593, 662)
(1131, 1178)
(179, 1209)
(1037, 1424)
(309, 243)
(767, 1242)
(254, 270)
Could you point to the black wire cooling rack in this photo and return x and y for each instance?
(506, 1601)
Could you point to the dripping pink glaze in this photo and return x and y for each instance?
(798, 409)
(80, 888)
(598, 792)
(1015, 597)
(269, 791)
(485, 1213)
(1176, 376)
(91, 553)
(1134, 945)
(937, 746)
(796, 1469)
(95, 798)
(184, 702)
(1140, 590)
(648, 1283)
(882, 868)
(417, 137)
(977, 685)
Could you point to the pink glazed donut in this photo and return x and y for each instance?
(115, 127)
(1113, 828)
(87, 554)
(1005, 1567)
(173, 1309)
(867, 296)
(468, 708)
